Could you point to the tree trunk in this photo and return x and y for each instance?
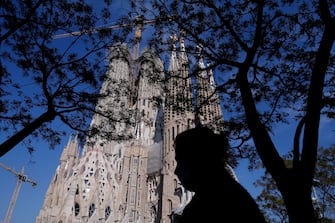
(300, 209)
(298, 201)
(297, 197)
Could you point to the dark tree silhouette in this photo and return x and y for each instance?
(43, 78)
(323, 192)
(275, 62)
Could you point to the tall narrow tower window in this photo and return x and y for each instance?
(132, 196)
(135, 163)
(76, 209)
(108, 211)
(173, 135)
(91, 210)
(170, 205)
(168, 140)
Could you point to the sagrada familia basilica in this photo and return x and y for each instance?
(132, 179)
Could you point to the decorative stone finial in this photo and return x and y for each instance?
(174, 39)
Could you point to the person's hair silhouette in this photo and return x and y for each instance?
(200, 156)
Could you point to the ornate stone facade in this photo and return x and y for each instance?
(132, 180)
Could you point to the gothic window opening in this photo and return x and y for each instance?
(101, 201)
(139, 181)
(132, 196)
(91, 171)
(77, 190)
(135, 162)
(108, 211)
(168, 141)
(91, 210)
(87, 182)
(76, 209)
(138, 198)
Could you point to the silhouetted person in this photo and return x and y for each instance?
(200, 156)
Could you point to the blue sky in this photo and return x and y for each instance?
(41, 165)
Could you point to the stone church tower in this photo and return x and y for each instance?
(128, 175)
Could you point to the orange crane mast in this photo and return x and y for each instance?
(138, 22)
(20, 178)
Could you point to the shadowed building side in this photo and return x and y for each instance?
(178, 117)
(208, 109)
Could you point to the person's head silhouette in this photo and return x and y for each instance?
(218, 197)
(199, 154)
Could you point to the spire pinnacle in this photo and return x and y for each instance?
(173, 66)
(174, 39)
(211, 77)
(183, 56)
(201, 64)
(182, 41)
(200, 57)
(71, 149)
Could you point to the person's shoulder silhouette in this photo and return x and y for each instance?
(200, 156)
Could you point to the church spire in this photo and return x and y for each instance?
(173, 66)
(183, 55)
(211, 78)
(201, 64)
(71, 149)
(121, 178)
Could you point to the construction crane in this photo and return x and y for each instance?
(20, 178)
(138, 22)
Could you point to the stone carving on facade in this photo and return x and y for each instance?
(130, 180)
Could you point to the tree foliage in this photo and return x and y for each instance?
(44, 78)
(274, 63)
(324, 182)
(323, 195)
